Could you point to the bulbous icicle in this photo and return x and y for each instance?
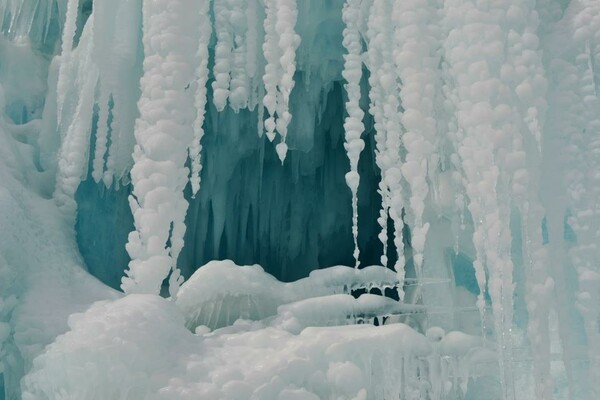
(385, 108)
(416, 59)
(240, 79)
(273, 71)
(163, 138)
(281, 42)
(195, 149)
(68, 37)
(223, 54)
(353, 123)
(287, 14)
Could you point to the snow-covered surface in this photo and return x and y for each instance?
(456, 143)
(102, 357)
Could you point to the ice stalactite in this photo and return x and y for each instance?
(417, 57)
(240, 81)
(491, 138)
(273, 68)
(584, 186)
(101, 135)
(385, 108)
(123, 83)
(524, 75)
(254, 63)
(287, 14)
(67, 47)
(374, 62)
(163, 134)
(235, 54)
(223, 54)
(281, 42)
(39, 20)
(100, 88)
(353, 124)
(200, 101)
(559, 171)
(74, 150)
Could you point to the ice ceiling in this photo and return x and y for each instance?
(455, 142)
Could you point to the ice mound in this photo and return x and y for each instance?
(221, 292)
(115, 350)
(137, 347)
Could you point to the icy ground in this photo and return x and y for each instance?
(418, 181)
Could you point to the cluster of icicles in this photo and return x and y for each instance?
(454, 74)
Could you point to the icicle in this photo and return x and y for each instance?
(67, 47)
(74, 152)
(584, 190)
(273, 71)
(159, 174)
(376, 109)
(493, 98)
(416, 58)
(279, 48)
(200, 101)
(101, 135)
(223, 54)
(385, 108)
(240, 80)
(353, 125)
(252, 39)
(287, 14)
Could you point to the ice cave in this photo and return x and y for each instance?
(300, 199)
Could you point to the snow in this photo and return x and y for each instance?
(317, 362)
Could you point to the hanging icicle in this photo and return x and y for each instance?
(273, 70)
(195, 150)
(385, 108)
(287, 14)
(417, 57)
(240, 80)
(73, 155)
(375, 61)
(163, 137)
(67, 47)
(279, 48)
(223, 54)
(353, 123)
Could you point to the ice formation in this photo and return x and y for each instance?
(411, 187)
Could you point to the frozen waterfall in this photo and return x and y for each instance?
(300, 199)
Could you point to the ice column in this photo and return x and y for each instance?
(163, 134)
(353, 125)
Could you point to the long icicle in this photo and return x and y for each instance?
(353, 123)
(163, 137)
(195, 150)
(67, 47)
(287, 14)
